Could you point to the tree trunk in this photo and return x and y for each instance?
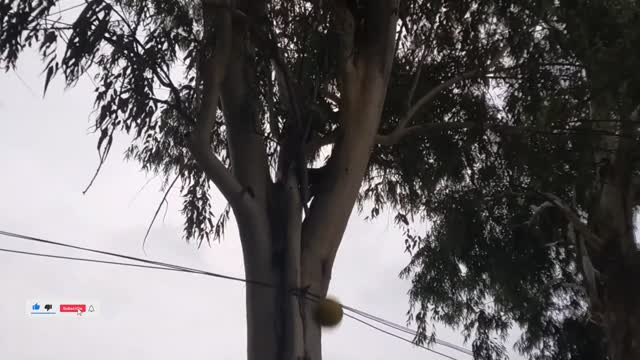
(279, 248)
(621, 309)
(616, 299)
(280, 323)
(277, 329)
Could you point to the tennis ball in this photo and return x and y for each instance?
(328, 312)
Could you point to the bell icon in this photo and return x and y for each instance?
(91, 309)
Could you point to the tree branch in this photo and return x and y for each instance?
(273, 117)
(592, 239)
(425, 129)
(213, 70)
(400, 134)
(363, 87)
(155, 215)
(401, 129)
(294, 132)
(396, 134)
(162, 75)
(414, 85)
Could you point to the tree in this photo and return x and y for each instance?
(297, 110)
(539, 231)
(279, 104)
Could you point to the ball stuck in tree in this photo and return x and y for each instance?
(328, 312)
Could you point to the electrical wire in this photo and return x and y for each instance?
(67, 9)
(152, 262)
(203, 273)
(406, 329)
(399, 337)
(157, 265)
(73, 258)
(171, 267)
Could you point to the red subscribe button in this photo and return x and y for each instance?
(73, 307)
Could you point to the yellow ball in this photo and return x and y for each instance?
(328, 312)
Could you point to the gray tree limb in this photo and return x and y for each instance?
(213, 71)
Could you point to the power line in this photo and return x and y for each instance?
(454, 347)
(165, 266)
(67, 9)
(157, 265)
(399, 337)
(204, 273)
(406, 329)
(87, 260)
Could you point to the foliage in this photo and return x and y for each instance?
(492, 258)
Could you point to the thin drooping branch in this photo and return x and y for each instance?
(593, 240)
(284, 78)
(418, 130)
(155, 215)
(213, 71)
(270, 46)
(273, 117)
(414, 84)
(437, 128)
(161, 74)
(103, 157)
(293, 133)
(399, 132)
(288, 92)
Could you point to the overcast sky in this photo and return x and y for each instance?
(47, 158)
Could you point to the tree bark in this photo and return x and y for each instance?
(280, 248)
(616, 300)
(279, 323)
(269, 226)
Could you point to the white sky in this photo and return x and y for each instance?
(47, 157)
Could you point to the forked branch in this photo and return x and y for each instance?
(213, 70)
